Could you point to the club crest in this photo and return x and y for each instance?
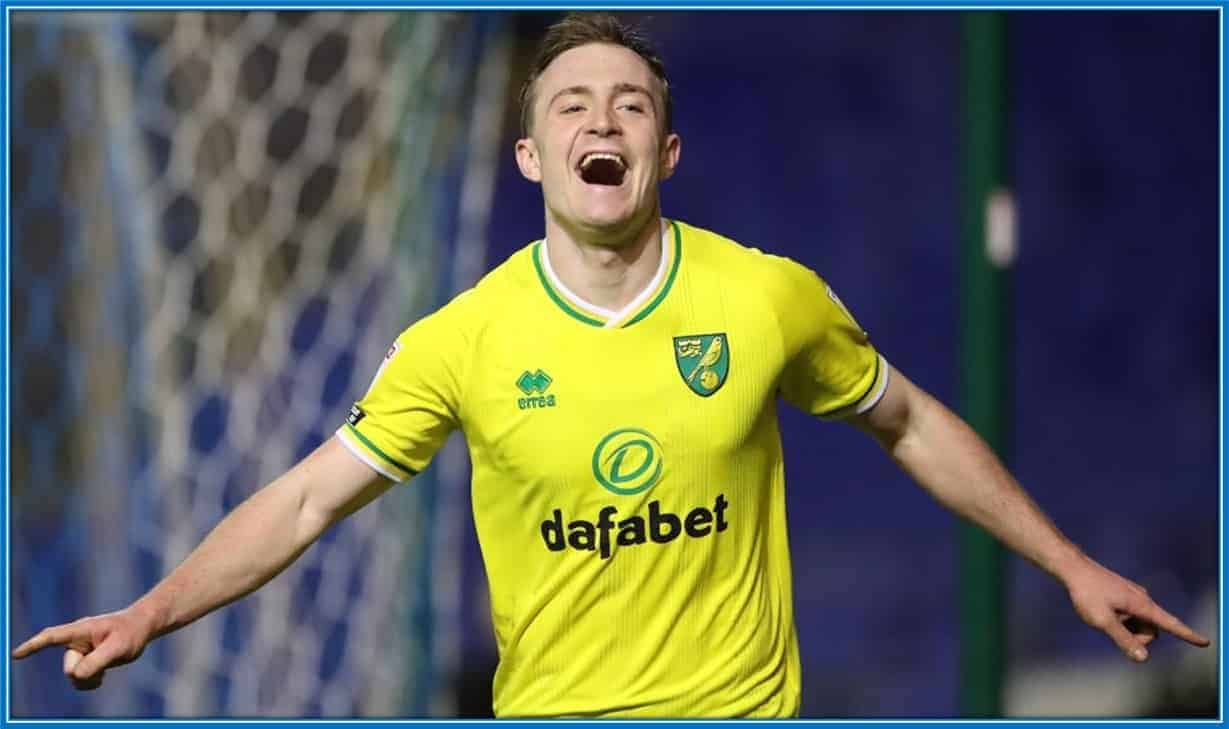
(703, 361)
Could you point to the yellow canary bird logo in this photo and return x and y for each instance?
(711, 355)
(703, 361)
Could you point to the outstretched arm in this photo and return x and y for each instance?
(943, 454)
(251, 545)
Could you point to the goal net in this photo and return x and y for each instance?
(219, 221)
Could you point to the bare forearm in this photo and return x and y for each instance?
(245, 550)
(956, 466)
(251, 545)
(948, 459)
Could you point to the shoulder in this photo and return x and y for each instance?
(777, 277)
(508, 279)
(472, 310)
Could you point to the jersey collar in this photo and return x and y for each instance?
(638, 308)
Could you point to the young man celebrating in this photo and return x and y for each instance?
(617, 385)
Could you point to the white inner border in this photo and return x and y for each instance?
(613, 318)
(359, 453)
(874, 396)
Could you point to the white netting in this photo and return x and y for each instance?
(248, 205)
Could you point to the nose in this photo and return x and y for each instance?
(604, 124)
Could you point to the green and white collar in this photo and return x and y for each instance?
(638, 308)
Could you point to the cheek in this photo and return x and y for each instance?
(555, 163)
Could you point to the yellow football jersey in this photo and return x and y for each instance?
(628, 486)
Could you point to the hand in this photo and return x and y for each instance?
(92, 645)
(1122, 610)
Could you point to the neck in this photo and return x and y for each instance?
(609, 276)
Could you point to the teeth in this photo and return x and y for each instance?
(588, 159)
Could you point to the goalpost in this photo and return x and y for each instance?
(219, 222)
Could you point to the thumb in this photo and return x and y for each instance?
(72, 657)
(94, 662)
(1126, 642)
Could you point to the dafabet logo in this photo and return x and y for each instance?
(626, 462)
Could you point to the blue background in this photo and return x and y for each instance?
(835, 138)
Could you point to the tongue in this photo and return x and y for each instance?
(603, 172)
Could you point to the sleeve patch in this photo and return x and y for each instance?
(844, 310)
(388, 356)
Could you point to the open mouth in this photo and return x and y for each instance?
(602, 168)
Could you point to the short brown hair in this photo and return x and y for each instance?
(578, 29)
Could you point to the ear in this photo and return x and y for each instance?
(527, 159)
(670, 150)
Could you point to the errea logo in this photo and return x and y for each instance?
(535, 385)
(537, 382)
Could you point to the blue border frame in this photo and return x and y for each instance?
(624, 5)
(53, 5)
(1221, 307)
(4, 387)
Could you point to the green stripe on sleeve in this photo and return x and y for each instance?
(376, 450)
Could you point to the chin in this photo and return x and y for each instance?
(605, 218)
(609, 217)
(608, 222)
(611, 229)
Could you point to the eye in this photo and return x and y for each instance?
(571, 109)
(634, 107)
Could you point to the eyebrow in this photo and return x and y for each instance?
(619, 88)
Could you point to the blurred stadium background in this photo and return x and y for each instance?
(220, 220)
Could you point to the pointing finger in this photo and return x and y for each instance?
(58, 635)
(1157, 615)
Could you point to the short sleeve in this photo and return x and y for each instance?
(832, 370)
(413, 403)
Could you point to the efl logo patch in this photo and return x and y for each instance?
(703, 361)
(388, 356)
(356, 414)
(845, 310)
